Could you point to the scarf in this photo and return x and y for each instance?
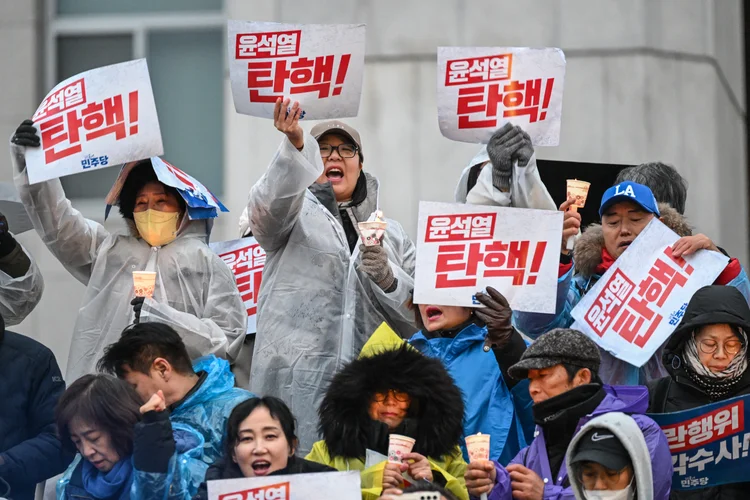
(606, 263)
(112, 485)
(716, 385)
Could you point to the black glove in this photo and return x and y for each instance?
(523, 153)
(501, 147)
(26, 135)
(497, 316)
(137, 304)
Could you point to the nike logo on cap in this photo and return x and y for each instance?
(597, 437)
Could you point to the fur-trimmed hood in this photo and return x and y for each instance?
(436, 411)
(588, 249)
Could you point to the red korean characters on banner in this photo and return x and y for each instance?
(336, 485)
(278, 491)
(479, 93)
(97, 119)
(468, 248)
(246, 259)
(317, 65)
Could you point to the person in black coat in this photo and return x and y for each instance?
(261, 441)
(707, 360)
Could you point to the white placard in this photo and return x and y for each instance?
(96, 119)
(639, 301)
(246, 259)
(481, 88)
(319, 65)
(314, 486)
(462, 249)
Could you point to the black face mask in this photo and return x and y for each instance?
(569, 407)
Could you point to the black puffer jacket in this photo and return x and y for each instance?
(710, 305)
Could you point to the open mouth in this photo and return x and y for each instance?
(433, 313)
(334, 173)
(261, 467)
(624, 244)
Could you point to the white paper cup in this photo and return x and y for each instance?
(478, 447)
(144, 283)
(398, 446)
(578, 190)
(372, 232)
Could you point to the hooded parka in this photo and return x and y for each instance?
(434, 421)
(591, 262)
(316, 309)
(195, 292)
(677, 392)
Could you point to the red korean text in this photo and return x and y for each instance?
(278, 491)
(707, 428)
(70, 96)
(265, 45)
(247, 265)
(478, 69)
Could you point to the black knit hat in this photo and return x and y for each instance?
(558, 346)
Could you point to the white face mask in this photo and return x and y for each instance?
(625, 494)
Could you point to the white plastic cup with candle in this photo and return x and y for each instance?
(144, 283)
(398, 446)
(580, 191)
(372, 232)
(478, 447)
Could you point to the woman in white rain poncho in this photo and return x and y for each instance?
(322, 293)
(195, 291)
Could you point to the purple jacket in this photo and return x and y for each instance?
(632, 400)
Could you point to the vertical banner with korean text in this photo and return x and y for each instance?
(710, 445)
(639, 301)
(97, 119)
(246, 259)
(462, 249)
(481, 88)
(314, 486)
(319, 65)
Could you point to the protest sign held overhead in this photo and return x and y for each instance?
(481, 88)
(313, 486)
(641, 299)
(710, 445)
(246, 259)
(463, 249)
(319, 65)
(96, 119)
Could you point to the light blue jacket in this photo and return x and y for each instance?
(490, 407)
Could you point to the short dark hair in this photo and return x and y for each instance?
(573, 370)
(664, 181)
(427, 486)
(140, 345)
(139, 176)
(105, 402)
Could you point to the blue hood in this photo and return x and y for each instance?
(218, 381)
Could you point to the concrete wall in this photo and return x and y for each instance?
(646, 80)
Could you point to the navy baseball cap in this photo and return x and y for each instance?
(630, 191)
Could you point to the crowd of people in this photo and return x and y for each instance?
(343, 358)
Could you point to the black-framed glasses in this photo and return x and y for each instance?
(709, 346)
(344, 150)
(399, 396)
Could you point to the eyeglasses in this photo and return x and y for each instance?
(709, 346)
(589, 477)
(344, 150)
(399, 396)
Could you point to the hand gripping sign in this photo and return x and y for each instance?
(246, 259)
(319, 65)
(314, 486)
(710, 445)
(481, 88)
(97, 119)
(462, 249)
(640, 300)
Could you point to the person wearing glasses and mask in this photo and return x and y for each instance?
(706, 358)
(323, 292)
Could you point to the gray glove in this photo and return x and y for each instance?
(501, 147)
(375, 264)
(523, 154)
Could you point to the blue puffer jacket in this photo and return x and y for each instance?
(30, 385)
(207, 408)
(490, 407)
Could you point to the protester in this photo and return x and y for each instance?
(30, 451)
(419, 487)
(512, 180)
(495, 403)
(707, 360)
(322, 293)
(195, 290)
(393, 389)
(21, 283)
(609, 459)
(626, 209)
(562, 368)
(261, 441)
(663, 180)
(151, 357)
(125, 450)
